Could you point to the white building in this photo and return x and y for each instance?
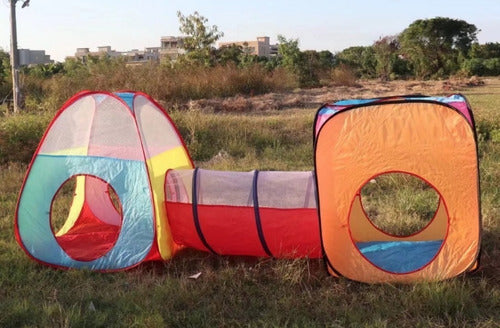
(83, 53)
(33, 57)
(170, 46)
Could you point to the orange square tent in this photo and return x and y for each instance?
(427, 137)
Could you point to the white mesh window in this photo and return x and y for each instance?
(178, 188)
(70, 132)
(275, 189)
(225, 188)
(157, 132)
(114, 133)
(286, 189)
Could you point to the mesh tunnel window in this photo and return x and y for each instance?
(225, 188)
(280, 189)
(86, 217)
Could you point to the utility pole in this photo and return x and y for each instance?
(14, 56)
(14, 53)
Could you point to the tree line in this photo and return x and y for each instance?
(427, 49)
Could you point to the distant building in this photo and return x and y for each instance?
(84, 53)
(33, 57)
(140, 56)
(261, 47)
(172, 46)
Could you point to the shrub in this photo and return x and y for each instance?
(492, 66)
(20, 135)
(482, 67)
(343, 75)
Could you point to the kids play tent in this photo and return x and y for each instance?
(119, 143)
(430, 138)
(136, 196)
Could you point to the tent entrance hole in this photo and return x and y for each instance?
(399, 204)
(86, 217)
(408, 220)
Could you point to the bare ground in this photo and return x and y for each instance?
(312, 98)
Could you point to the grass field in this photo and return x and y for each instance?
(249, 292)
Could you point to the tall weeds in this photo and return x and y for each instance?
(168, 84)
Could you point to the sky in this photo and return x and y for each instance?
(61, 26)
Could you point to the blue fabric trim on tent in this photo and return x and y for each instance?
(400, 256)
(128, 98)
(326, 110)
(130, 181)
(445, 100)
(352, 102)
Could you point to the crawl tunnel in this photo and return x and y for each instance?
(258, 213)
(104, 155)
(432, 139)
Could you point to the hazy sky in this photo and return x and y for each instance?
(61, 26)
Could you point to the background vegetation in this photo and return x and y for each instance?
(427, 49)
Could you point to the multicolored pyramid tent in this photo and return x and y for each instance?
(136, 196)
(122, 142)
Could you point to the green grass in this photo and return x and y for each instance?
(62, 204)
(399, 204)
(241, 291)
(270, 141)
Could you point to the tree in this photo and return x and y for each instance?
(4, 65)
(326, 59)
(290, 53)
(199, 39)
(485, 51)
(5, 77)
(360, 59)
(310, 68)
(247, 58)
(434, 46)
(386, 53)
(229, 54)
(302, 64)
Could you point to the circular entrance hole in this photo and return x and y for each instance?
(86, 217)
(399, 204)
